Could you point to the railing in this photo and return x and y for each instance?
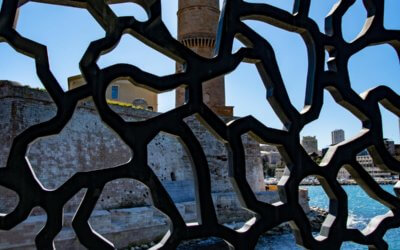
(18, 176)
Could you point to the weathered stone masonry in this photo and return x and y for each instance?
(87, 144)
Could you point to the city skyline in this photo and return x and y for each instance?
(244, 90)
(338, 135)
(332, 144)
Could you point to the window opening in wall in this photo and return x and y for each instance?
(173, 177)
(114, 92)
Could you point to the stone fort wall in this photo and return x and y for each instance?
(86, 144)
(123, 214)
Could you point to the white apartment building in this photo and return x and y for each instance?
(366, 161)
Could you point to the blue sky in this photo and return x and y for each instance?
(67, 32)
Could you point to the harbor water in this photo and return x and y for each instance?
(361, 209)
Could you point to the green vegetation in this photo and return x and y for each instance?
(123, 104)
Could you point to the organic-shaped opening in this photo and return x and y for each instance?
(204, 243)
(170, 161)
(130, 9)
(265, 165)
(319, 10)
(24, 234)
(167, 155)
(226, 202)
(43, 22)
(327, 58)
(213, 93)
(320, 134)
(17, 72)
(72, 205)
(63, 239)
(344, 177)
(353, 21)
(390, 127)
(273, 164)
(284, 5)
(390, 20)
(85, 140)
(361, 213)
(245, 91)
(134, 52)
(241, 225)
(279, 237)
(367, 162)
(367, 200)
(128, 203)
(216, 154)
(292, 59)
(237, 45)
(310, 145)
(8, 200)
(317, 191)
(349, 245)
(374, 66)
(254, 163)
(124, 193)
(16, 63)
(21, 113)
(391, 237)
(166, 101)
(133, 102)
(122, 93)
(169, 16)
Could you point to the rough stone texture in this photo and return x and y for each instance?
(122, 226)
(138, 225)
(217, 157)
(87, 144)
(199, 16)
(123, 213)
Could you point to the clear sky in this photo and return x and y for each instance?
(67, 32)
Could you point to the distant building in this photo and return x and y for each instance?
(122, 90)
(390, 146)
(271, 159)
(366, 161)
(279, 172)
(337, 136)
(310, 144)
(343, 175)
(270, 155)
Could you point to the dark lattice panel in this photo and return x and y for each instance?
(18, 175)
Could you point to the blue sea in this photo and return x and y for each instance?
(361, 209)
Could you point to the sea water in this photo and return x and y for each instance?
(361, 209)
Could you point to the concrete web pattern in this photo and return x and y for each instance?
(19, 177)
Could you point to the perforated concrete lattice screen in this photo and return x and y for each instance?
(18, 175)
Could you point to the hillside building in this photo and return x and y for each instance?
(310, 144)
(337, 136)
(123, 91)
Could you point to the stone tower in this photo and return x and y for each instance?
(197, 28)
